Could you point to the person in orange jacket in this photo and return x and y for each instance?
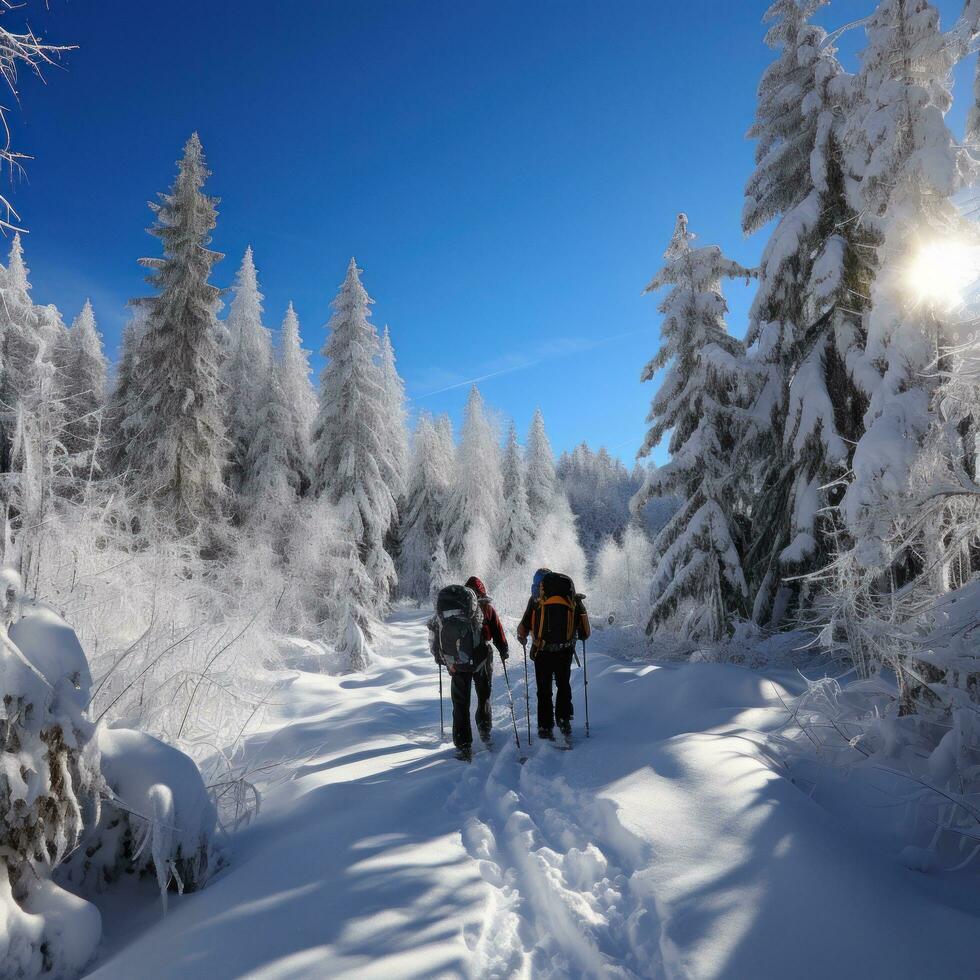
(554, 623)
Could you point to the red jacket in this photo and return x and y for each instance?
(493, 629)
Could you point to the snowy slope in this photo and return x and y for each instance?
(665, 846)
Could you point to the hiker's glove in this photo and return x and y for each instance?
(533, 654)
(504, 655)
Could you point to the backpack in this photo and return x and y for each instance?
(555, 615)
(459, 626)
(536, 581)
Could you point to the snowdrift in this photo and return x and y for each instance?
(49, 785)
(55, 770)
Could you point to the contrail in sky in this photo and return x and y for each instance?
(528, 364)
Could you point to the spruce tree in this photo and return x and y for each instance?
(397, 435)
(473, 506)
(272, 481)
(699, 566)
(248, 368)
(352, 463)
(354, 601)
(540, 469)
(20, 345)
(444, 430)
(429, 476)
(805, 322)
(122, 387)
(293, 371)
(517, 535)
(85, 394)
(438, 570)
(176, 444)
(396, 414)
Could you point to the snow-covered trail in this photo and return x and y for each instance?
(667, 845)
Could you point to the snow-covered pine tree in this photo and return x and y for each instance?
(176, 444)
(805, 319)
(396, 415)
(438, 570)
(122, 387)
(293, 370)
(354, 600)
(352, 645)
(540, 469)
(698, 560)
(352, 463)
(909, 167)
(84, 385)
(517, 528)
(39, 461)
(444, 430)
(271, 486)
(55, 343)
(473, 506)
(247, 369)
(19, 344)
(429, 475)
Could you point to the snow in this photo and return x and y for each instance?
(53, 930)
(673, 843)
(52, 647)
(49, 777)
(161, 819)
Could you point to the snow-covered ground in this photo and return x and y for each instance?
(667, 845)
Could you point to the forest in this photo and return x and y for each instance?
(188, 524)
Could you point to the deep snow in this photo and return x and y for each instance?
(668, 845)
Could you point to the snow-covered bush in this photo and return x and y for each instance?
(178, 641)
(620, 580)
(919, 747)
(160, 819)
(50, 783)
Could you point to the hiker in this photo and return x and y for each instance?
(460, 636)
(555, 618)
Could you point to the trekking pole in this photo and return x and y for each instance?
(442, 722)
(513, 713)
(527, 694)
(585, 671)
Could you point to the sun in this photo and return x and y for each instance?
(942, 272)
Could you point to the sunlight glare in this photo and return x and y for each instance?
(942, 272)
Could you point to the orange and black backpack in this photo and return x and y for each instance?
(557, 614)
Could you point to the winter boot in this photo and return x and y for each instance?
(547, 733)
(565, 727)
(464, 753)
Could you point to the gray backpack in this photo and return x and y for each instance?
(459, 626)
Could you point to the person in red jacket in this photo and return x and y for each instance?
(481, 677)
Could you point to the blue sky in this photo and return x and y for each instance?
(507, 173)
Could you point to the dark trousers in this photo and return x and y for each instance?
(463, 682)
(554, 668)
